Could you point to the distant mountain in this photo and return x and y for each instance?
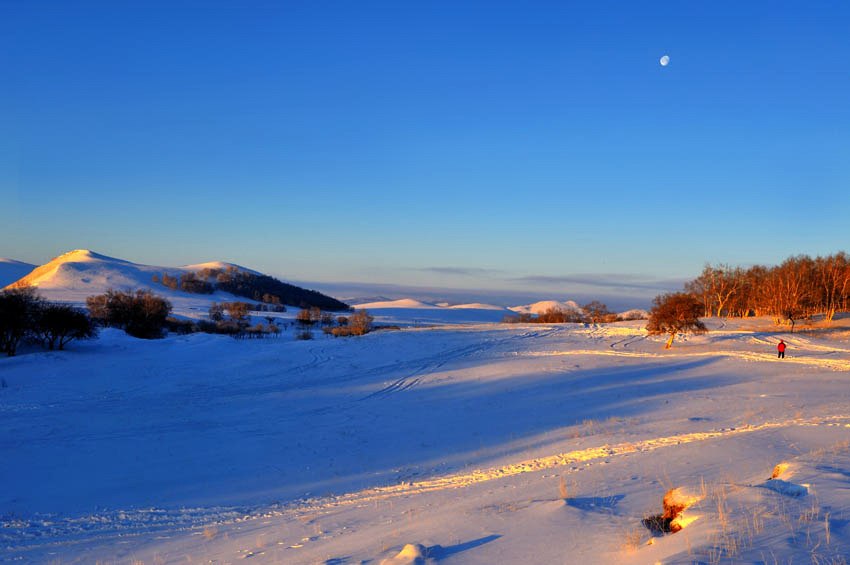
(75, 275)
(403, 303)
(11, 270)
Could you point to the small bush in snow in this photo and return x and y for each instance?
(303, 335)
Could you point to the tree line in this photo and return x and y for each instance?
(800, 287)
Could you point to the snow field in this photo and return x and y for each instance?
(486, 444)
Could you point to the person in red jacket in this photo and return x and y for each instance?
(781, 348)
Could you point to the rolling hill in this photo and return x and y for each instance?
(76, 275)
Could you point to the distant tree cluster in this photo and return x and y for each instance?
(141, 314)
(269, 289)
(187, 282)
(359, 323)
(24, 316)
(591, 313)
(800, 287)
(261, 288)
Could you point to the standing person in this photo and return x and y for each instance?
(781, 348)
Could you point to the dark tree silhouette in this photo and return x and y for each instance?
(19, 309)
(58, 324)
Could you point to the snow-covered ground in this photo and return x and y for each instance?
(485, 443)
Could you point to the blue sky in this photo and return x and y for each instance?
(492, 145)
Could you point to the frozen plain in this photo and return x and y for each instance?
(485, 443)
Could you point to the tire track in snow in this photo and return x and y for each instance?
(53, 530)
(562, 459)
(833, 364)
(431, 364)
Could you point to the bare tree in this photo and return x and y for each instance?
(596, 312)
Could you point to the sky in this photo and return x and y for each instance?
(535, 146)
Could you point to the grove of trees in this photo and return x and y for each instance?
(799, 287)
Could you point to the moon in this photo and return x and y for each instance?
(665, 60)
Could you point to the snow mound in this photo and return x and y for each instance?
(545, 305)
(786, 488)
(11, 270)
(635, 314)
(403, 303)
(411, 554)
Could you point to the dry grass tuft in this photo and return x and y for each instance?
(210, 533)
(562, 488)
(670, 521)
(778, 470)
(632, 539)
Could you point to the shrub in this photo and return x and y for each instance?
(595, 312)
(361, 322)
(206, 326)
(181, 327)
(305, 318)
(141, 314)
(59, 324)
(216, 312)
(303, 335)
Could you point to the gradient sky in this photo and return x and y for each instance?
(464, 144)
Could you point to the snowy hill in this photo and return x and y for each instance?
(414, 312)
(545, 305)
(76, 275)
(403, 303)
(634, 314)
(11, 270)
